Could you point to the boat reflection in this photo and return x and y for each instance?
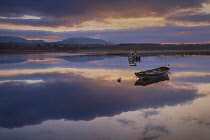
(149, 81)
(133, 60)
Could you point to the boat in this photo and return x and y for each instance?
(133, 58)
(134, 55)
(149, 81)
(153, 73)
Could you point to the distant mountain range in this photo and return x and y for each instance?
(83, 41)
(12, 39)
(7, 39)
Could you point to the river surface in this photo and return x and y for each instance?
(63, 96)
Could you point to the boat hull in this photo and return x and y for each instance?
(154, 73)
(151, 76)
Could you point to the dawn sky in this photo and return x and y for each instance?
(120, 21)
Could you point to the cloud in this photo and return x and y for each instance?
(205, 121)
(126, 122)
(80, 7)
(73, 12)
(39, 22)
(152, 132)
(168, 34)
(148, 113)
(120, 21)
(192, 18)
(64, 98)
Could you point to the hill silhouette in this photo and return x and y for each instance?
(83, 41)
(13, 39)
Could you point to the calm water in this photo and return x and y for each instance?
(67, 96)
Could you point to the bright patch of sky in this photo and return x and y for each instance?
(23, 17)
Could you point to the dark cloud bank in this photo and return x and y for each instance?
(192, 18)
(73, 12)
(64, 8)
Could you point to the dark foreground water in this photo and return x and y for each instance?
(67, 96)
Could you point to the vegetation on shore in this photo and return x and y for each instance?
(60, 47)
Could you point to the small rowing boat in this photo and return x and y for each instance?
(153, 73)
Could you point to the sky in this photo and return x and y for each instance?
(119, 21)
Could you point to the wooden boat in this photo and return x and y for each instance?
(153, 73)
(149, 81)
(133, 58)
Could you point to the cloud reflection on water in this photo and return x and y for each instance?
(73, 97)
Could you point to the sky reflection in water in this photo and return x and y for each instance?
(64, 96)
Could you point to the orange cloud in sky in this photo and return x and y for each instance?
(51, 38)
